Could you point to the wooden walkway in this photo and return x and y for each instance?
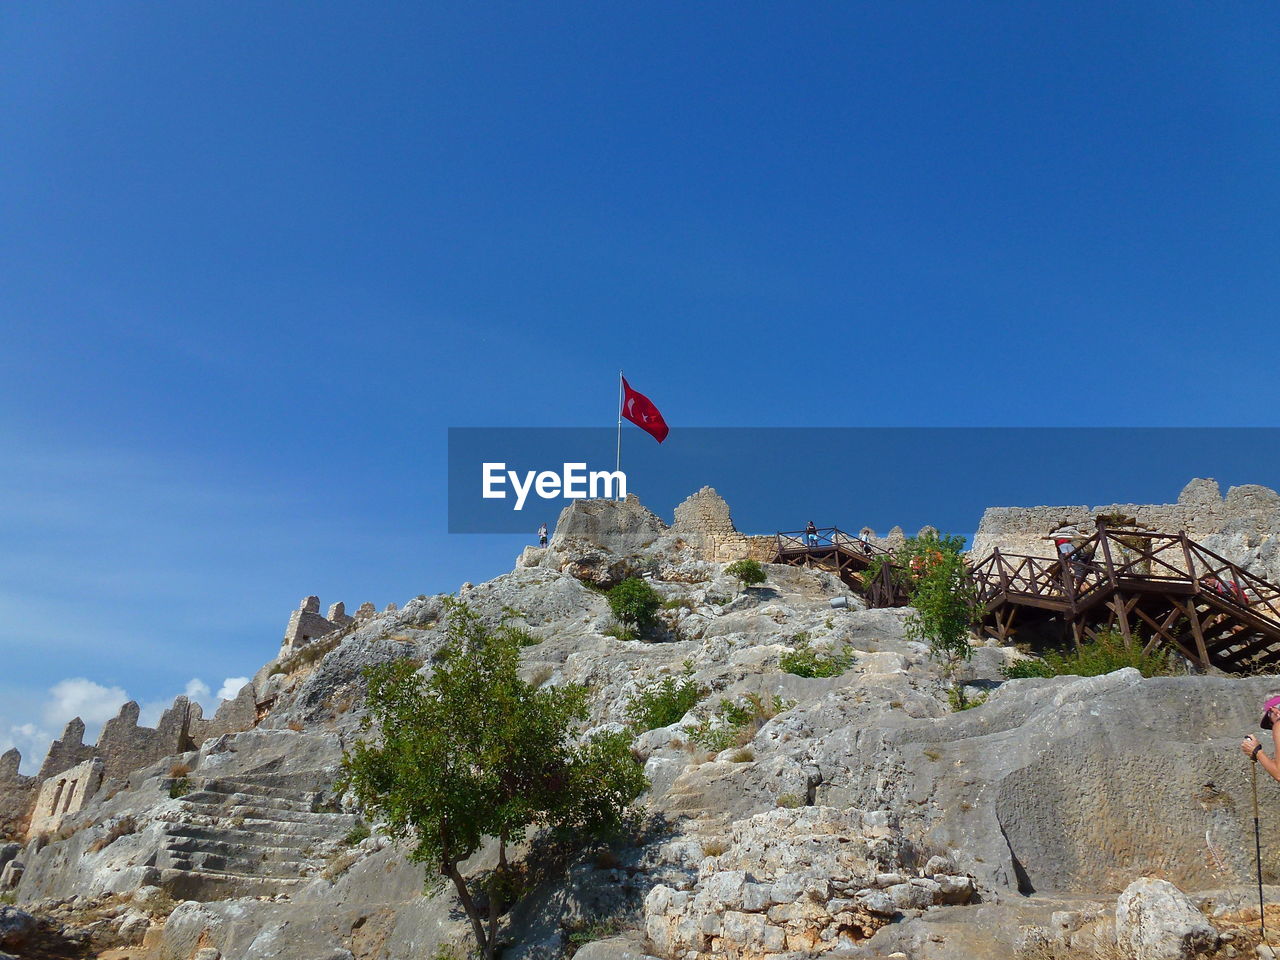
(1153, 588)
(847, 557)
(1156, 589)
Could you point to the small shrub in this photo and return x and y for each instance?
(295, 726)
(522, 637)
(634, 602)
(619, 632)
(959, 700)
(356, 834)
(1104, 653)
(9, 899)
(745, 755)
(677, 603)
(541, 675)
(179, 788)
(1025, 669)
(179, 770)
(714, 847)
(735, 723)
(747, 572)
(790, 801)
(339, 863)
(663, 702)
(804, 661)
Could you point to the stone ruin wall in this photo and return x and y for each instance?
(1244, 520)
(122, 748)
(306, 625)
(702, 524)
(17, 795)
(64, 794)
(703, 521)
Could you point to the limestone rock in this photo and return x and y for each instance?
(16, 927)
(621, 527)
(1157, 921)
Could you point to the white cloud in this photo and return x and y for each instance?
(230, 687)
(198, 691)
(31, 741)
(79, 697)
(149, 713)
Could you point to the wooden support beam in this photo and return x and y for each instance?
(1193, 616)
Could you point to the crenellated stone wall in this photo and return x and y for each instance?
(122, 747)
(67, 751)
(306, 624)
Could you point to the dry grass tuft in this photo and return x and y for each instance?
(714, 847)
(120, 828)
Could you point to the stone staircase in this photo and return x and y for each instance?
(241, 838)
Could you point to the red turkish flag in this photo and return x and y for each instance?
(640, 410)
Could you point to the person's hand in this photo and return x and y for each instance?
(1248, 745)
(1274, 714)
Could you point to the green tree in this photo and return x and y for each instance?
(634, 603)
(749, 572)
(943, 599)
(473, 752)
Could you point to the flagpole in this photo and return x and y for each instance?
(617, 464)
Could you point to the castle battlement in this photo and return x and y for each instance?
(306, 624)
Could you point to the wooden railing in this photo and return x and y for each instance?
(1126, 559)
(800, 541)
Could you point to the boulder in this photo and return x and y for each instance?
(16, 927)
(622, 527)
(1157, 921)
(612, 948)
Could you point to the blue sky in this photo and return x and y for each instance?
(258, 257)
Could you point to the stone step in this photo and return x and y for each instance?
(325, 825)
(245, 818)
(206, 885)
(272, 819)
(267, 837)
(240, 866)
(236, 848)
(218, 798)
(277, 791)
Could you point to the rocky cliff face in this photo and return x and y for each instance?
(864, 817)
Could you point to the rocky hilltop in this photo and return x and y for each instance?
(862, 817)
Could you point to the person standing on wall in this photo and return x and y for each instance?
(542, 534)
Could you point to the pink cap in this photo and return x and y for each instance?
(1266, 711)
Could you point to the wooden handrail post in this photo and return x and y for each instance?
(1106, 553)
(1186, 555)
